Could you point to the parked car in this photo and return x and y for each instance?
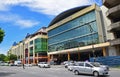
(44, 64)
(28, 65)
(71, 66)
(11, 64)
(100, 64)
(18, 63)
(4, 64)
(68, 63)
(89, 68)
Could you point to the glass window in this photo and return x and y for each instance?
(74, 33)
(89, 17)
(87, 65)
(31, 42)
(81, 64)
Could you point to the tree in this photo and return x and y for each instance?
(6, 59)
(2, 57)
(12, 57)
(2, 34)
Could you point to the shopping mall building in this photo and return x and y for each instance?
(33, 48)
(77, 34)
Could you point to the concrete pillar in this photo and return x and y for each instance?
(51, 57)
(104, 51)
(28, 58)
(33, 58)
(37, 58)
(48, 58)
(68, 56)
(33, 52)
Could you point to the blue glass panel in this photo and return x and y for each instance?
(81, 31)
(74, 23)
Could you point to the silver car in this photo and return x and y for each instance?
(44, 64)
(89, 68)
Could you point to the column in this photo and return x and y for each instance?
(48, 58)
(104, 51)
(33, 57)
(37, 58)
(33, 52)
(51, 57)
(68, 56)
(28, 57)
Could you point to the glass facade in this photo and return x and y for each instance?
(31, 42)
(74, 33)
(31, 50)
(40, 45)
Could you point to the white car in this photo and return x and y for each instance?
(71, 66)
(43, 65)
(100, 64)
(90, 68)
(28, 65)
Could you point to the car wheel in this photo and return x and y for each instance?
(65, 66)
(96, 74)
(76, 72)
(40, 66)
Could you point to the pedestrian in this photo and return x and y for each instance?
(23, 66)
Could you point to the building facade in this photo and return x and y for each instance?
(77, 34)
(113, 14)
(33, 48)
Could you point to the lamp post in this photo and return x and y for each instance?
(91, 30)
(23, 55)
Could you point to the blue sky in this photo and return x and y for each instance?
(19, 17)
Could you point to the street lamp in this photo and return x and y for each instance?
(23, 55)
(91, 30)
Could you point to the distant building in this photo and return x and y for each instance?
(77, 34)
(33, 48)
(113, 27)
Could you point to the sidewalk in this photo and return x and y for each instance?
(57, 66)
(113, 68)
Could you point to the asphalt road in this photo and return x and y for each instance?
(54, 71)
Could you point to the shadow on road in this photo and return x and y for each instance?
(2, 74)
(93, 76)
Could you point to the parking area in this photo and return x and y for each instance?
(34, 71)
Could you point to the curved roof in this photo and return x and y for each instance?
(66, 14)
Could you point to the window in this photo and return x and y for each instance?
(87, 65)
(31, 42)
(81, 64)
(74, 34)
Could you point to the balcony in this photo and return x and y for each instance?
(114, 13)
(111, 3)
(114, 27)
(115, 42)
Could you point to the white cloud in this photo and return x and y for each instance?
(18, 21)
(26, 23)
(49, 7)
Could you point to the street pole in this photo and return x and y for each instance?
(91, 30)
(23, 56)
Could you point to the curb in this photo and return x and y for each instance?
(115, 69)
